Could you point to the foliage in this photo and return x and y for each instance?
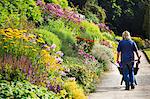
(123, 14)
(91, 17)
(90, 31)
(62, 3)
(64, 34)
(90, 9)
(16, 9)
(24, 89)
(49, 37)
(140, 43)
(97, 11)
(108, 36)
(103, 54)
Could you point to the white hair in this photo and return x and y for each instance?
(126, 35)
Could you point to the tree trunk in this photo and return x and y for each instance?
(146, 24)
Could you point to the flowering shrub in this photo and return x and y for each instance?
(49, 38)
(85, 44)
(103, 54)
(75, 91)
(85, 74)
(33, 55)
(32, 60)
(104, 28)
(54, 10)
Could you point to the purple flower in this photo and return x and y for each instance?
(60, 53)
(53, 46)
(58, 88)
(60, 60)
(63, 73)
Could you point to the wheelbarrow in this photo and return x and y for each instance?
(136, 68)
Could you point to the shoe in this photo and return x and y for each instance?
(132, 86)
(127, 87)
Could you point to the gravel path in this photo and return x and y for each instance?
(110, 88)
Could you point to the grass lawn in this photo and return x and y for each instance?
(147, 51)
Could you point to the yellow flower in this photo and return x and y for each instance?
(16, 30)
(26, 39)
(32, 36)
(9, 29)
(26, 46)
(34, 42)
(34, 50)
(63, 93)
(40, 40)
(40, 35)
(5, 46)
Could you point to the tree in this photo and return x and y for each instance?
(124, 15)
(146, 24)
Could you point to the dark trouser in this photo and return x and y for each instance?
(128, 73)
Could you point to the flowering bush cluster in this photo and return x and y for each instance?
(104, 27)
(87, 57)
(32, 59)
(54, 10)
(85, 74)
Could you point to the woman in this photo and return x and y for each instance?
(126, 49)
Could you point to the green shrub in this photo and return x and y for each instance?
(15, 9)
(108, 36)
(24, 89)
(49, 37)
(103, 54)
(90, 30)
(139, 42)
(64, 34)
(91, 17)
(98, 12)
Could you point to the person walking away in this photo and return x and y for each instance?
(125, 50)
